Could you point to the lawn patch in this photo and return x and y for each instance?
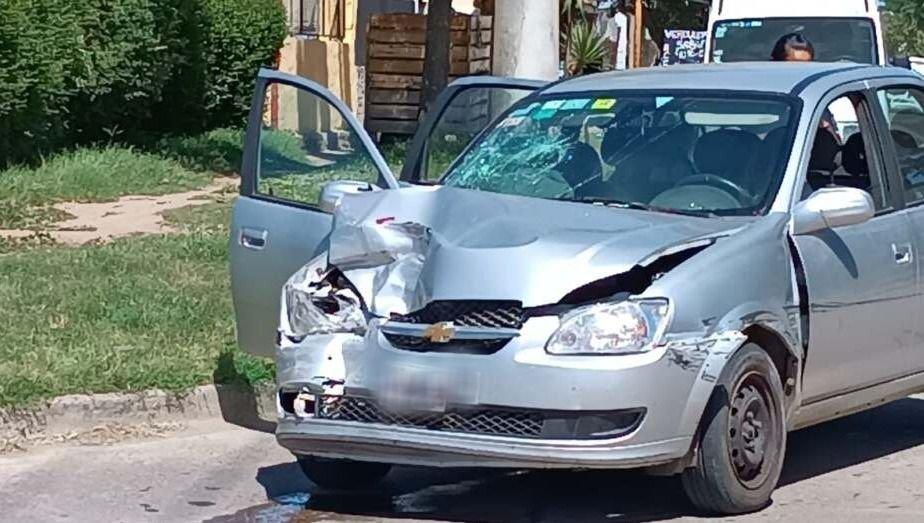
(137, 313)
(26, 193)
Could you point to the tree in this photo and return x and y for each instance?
(436, 62)
(905, 27)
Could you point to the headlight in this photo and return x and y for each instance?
(313, 304)
(627, 327)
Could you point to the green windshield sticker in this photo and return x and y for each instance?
(526, 110)
(720, 32)
(602, 104)
(544, 114)
(575, 105)
(553, 104)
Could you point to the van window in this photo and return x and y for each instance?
(834, 39)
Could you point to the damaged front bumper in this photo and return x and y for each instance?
(516, 407)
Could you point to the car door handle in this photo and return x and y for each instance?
(253, 239)
(903, 253)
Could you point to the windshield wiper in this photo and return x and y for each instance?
(638, 206)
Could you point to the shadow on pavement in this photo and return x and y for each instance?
(501, 495)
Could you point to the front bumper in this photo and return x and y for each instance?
(672, 384)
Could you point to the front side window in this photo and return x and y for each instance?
(904, 112)
(840, 153)
(306, 142)
(834, 39)
(720, 153)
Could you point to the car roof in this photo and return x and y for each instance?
(770, 77)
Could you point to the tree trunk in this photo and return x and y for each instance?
(436, 62)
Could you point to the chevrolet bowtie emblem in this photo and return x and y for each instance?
(440, 332)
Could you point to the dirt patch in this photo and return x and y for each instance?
(127, 216)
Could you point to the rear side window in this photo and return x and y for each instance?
(904, 112)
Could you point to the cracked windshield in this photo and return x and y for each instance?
(713, 154)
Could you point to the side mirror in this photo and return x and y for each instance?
(832, 207)
(901, 61)
(333, 191)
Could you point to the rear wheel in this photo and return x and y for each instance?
(342, 474)
(742, 438)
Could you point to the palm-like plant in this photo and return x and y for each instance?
(586, 49)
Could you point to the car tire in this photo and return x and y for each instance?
(742, 438)
(339, 474)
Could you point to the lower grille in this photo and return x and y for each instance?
(521, 423)
(415, 344)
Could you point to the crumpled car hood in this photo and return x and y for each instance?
(442, 243)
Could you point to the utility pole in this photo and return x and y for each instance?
(639, 33)
(526, 37)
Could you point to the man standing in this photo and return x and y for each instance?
(615, 27)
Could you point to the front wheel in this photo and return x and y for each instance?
(742, 438)
(342, 474)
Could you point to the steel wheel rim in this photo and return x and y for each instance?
(753, 431)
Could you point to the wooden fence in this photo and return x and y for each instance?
(395, 63)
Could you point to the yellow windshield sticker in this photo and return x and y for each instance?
(602, 104)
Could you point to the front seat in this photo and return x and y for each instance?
(644, 170)
(581, 168)
(823, 162)
(855, 162)
(727, 153)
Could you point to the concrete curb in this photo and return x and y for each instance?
(245, 406)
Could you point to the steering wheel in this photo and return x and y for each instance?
(728, 186)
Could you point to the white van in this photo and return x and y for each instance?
(840, 30)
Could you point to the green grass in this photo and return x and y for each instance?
(140, 312)
(135, 314)
(103, 174)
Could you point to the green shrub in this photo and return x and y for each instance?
(82, 71)
(241, 36)
(224, 43)
(39, 45)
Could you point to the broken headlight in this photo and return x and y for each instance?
(318, 301)
(627, 327)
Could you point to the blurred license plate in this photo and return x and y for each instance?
(415, 390)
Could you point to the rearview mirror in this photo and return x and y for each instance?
(333, 191)
(832, 207)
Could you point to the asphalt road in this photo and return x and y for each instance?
(869, 467)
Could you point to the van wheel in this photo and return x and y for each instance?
(339, 474)
(742, 438)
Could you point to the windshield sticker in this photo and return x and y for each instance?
(544, 114)
(575, 105)
(602, 104)
(526, 110)
(554, 104)
(720, 32)
(661, 101)
(512, 121)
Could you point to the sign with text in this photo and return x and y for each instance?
(683, 47)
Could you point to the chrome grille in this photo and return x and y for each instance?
(482, 421)
(468, 313)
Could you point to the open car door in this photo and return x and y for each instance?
(301, 137)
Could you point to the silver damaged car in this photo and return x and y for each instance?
(656, 269)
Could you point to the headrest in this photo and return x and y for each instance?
(854, 156)
(724, 151)
(615, 140)
(824, 152)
